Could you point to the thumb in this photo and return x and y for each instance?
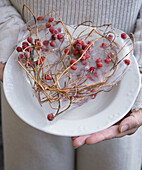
(132, 121)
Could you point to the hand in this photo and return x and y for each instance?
(2, 66)
(127, 126)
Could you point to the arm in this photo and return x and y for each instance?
(133, 121)
(10, 24)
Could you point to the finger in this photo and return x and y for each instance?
(131, 122)
(129, 132)
(79, 141)
(106, 134)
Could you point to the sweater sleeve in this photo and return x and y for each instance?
(10, 24)
(138, 54)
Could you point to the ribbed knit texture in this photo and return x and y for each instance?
(121, 13)
(4, 3)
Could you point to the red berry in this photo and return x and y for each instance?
(54, 37)
(107, 60)
(98, 60)
(25, 46)
(48, 25)
(81, 52)
(67, 51)
(25, 43)
(127, 61)
(76, 52)
(20, 56)
(30, 49)
(95, 73)
(52, 29)
(60, 36)
(82, 42)
(55, 32)
(50, 117)
(104, 45)
(73, 61)
(74, 45)
(45, 42)
(48, 77)
(30, 40)
(83, 58)
(27, 55)
(124, 35)
(100, 65)
(78, 46)
(87, 56)
(38, 43)
(111, 55)
(38, 62)
(92, 69)
(42, 58)
(19, 49)
(89, 42)
(40, 18)
(51, 19)
(73, 67)
(84, 46)
(110, 36)
(52, 44)
(60, 29)
(79, 42)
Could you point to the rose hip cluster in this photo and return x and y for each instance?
(80, 53)
(55, 33)
(30, 45)
(82, 50)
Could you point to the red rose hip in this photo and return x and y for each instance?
(48, 25)
(60, 36)
(127, 61)
(73, 67)
(40, 18)
(50, 116)
(51, 19)
(52, 29)
(73, 61)
(67, 51)
(104, 45)
(92, 69)
(99, 65)
(45, 42)
(48, 77)
(52, 44)
(30, 40)
(124, 35)
(76, 52)
(98, 60)
(107, 60)
(19, 49)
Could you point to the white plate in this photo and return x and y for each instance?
(95, 115)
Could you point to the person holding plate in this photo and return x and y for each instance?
(117, 147)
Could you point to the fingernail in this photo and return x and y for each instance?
(124, 128)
